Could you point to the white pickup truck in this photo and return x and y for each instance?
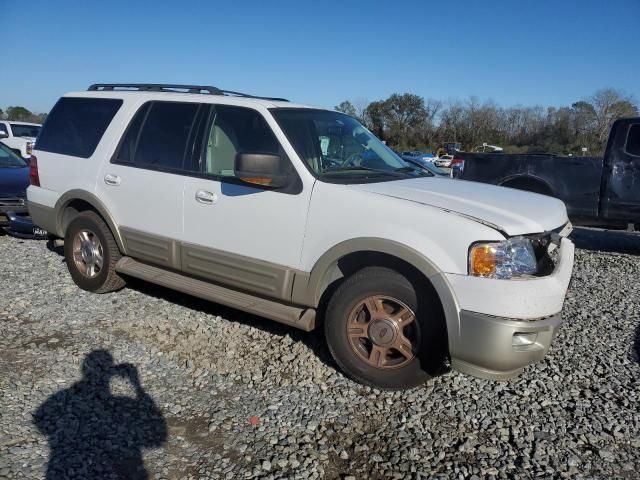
(19, 136)
(303, 216)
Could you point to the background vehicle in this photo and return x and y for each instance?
(19, 136)
(427, 165)
(14, 180)
(597, 191)
(443, 161)
(486, 148)
(417, 155)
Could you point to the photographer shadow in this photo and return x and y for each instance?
(95, 434)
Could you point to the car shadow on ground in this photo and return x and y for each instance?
(617, 241)
(93, 433)
(314, 340)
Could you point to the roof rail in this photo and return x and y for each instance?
(170, 88)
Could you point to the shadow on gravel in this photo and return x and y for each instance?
(618, 241)
(95, 434)
(314, 340)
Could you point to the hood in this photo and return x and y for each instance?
(513, 212)
(13, 181)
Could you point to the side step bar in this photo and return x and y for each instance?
(302, 318)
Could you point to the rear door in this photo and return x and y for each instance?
(142, 185)
(621, 177)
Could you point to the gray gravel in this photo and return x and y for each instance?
(226, 395)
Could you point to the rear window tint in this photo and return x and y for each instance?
(158, 136)
(76, 125)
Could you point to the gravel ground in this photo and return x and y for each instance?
(151, 379)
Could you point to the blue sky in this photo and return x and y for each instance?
(546, 52)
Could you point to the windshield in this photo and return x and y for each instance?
(23, 130)
(336, 147)
(8, 159)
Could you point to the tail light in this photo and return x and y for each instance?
(457, 164)
(33, 171)
(29, 148)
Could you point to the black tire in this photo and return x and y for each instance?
(106, 280)
(430, 348)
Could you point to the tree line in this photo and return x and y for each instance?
(21, 114)
(410, 122)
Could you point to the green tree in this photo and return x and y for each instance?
(18, 113)
(347, 107)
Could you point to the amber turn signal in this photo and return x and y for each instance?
(482, 260)
(257, 181)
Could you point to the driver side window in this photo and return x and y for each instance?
(236, 130)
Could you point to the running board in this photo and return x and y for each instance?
(302, 318)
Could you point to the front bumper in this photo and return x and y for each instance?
(488, 346)
(491, 311)
(13, 204)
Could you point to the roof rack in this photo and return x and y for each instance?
(170, 88)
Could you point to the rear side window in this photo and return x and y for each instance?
(159, 135)
(76, 125)
(633, 140)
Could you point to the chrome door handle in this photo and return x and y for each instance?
(208, 198)
(110, 179)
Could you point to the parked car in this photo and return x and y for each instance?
(266, 206)
(443, 161)
(427, 166)
(19, 136)
(598, 192)
(14, 180)
(416, 155)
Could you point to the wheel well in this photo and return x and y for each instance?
(529, 184)
(351, 263)
(72, 209)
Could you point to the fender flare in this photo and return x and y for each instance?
(308, 288)
(88, 197)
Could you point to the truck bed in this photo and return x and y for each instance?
(574, 180)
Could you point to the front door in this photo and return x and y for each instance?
(241, 235)
(621, 177)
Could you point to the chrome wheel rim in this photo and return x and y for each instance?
(88, 255)
(383, 332)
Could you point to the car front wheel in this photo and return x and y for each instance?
(381, 333)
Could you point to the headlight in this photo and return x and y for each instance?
(510, 258)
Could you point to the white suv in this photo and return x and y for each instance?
(301, 215)
(19, 136)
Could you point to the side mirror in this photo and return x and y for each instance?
(4, 135)
(261, 169)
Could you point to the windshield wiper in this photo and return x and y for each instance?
(415, 169)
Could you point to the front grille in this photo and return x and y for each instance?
(11, 202)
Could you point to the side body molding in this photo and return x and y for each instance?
(308, 288)
(96, 203)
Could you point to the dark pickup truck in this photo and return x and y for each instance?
(598, 192)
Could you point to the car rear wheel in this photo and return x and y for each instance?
(380, 333)
(91, 254)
